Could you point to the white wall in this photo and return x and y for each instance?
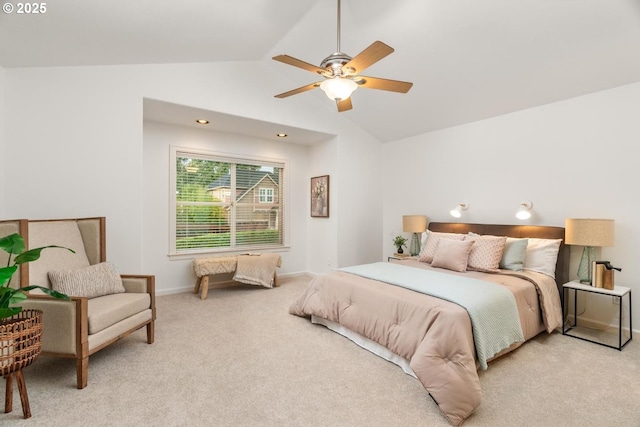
(80, 133)
(322, 242)
(177, 274)
(575, 158)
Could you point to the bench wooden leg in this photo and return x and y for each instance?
(204, 284)
(275, 280)
(196, 289)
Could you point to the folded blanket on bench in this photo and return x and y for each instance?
(257, 269)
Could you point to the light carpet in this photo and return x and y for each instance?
(239, 359)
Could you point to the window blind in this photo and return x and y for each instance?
(227, 204)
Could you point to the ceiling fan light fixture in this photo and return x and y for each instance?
(338, 88)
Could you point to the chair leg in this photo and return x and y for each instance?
(151, 332)
(82, 371)
(8, 396)
(24, 398)
(196, 289)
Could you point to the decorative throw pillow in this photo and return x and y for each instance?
(93, 281)
(514, 252)
(542, 255)
(429, 248)
(452, 254)
(486, 252)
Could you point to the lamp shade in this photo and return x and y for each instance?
(589, 232)
(338, 88)
(414, 223)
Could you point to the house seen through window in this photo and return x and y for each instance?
(222, 204)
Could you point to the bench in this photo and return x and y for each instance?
(203, 267)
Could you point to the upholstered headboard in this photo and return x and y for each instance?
(536, 231)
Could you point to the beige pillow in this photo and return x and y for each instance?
(486, 253)
(429, 249)
(93, 281)
(452, 254)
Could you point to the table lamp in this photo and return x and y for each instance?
(415, 224)
(590, 233)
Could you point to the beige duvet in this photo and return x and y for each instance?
(434, 335)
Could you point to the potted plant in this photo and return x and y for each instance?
(9, 297)
(20, 331)
(399, 242)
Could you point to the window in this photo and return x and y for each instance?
(265, 195)
(222, 203)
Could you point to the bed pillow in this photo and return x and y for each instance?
(514, 252)
(542, 255)
(93, 281)
(486, 252)
(452, 254)
(426, 254)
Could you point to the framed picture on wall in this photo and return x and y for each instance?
(320, 196)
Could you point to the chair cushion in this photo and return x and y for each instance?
(93, 281)
(108, 310)
(60, 233)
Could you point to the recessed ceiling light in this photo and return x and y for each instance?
(281, 135)
(202, 121)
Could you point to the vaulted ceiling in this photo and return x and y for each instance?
(468, 59)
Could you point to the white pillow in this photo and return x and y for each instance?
(542, 255)
(93, 281)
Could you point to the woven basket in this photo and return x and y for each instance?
(20, 340)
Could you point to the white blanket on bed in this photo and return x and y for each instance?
(492, 308)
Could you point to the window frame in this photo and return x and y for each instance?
(268, 197)
(181, 151)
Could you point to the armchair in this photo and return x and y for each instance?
(86, 324)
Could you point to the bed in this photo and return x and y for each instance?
(442, 317)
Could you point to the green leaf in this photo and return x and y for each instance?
(9, 311)
(13, 244)
(4, 291)
(47, 291)
(6, 273)
(34, 254)
(17, 297)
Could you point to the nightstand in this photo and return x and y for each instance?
(618, 293)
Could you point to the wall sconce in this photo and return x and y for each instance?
(525, 210)
(457, 211)
(414, 224)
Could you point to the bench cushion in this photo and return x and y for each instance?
(108, 310)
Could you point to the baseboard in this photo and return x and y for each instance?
(225, 284)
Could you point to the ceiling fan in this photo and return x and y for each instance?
(342, 73)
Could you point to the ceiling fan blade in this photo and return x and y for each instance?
(298, 90)
(383, 84)
(290, 60)
(374, 53)
(344, 105)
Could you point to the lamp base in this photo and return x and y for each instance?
(414, 249)
(584, 269)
